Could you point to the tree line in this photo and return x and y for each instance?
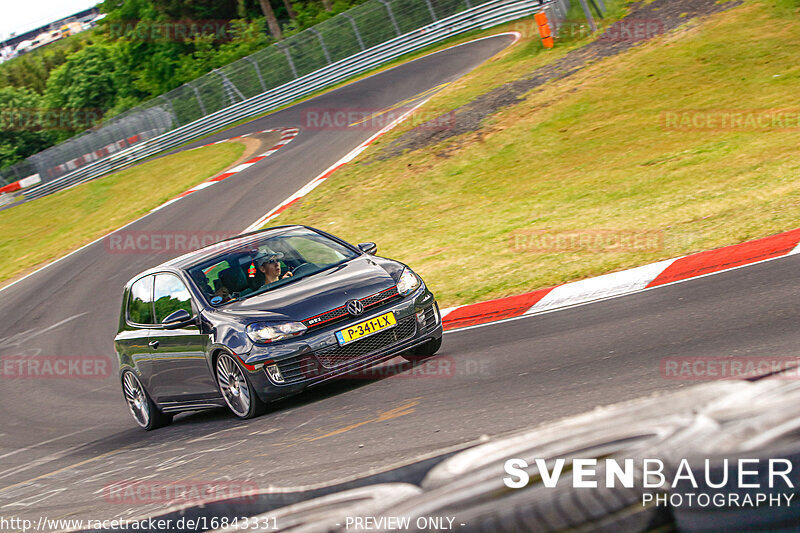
(141, 49)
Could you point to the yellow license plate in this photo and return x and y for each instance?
(366, 328)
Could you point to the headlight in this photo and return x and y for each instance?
(270, 332)
(408, 282)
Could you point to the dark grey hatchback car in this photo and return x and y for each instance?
(263, 316)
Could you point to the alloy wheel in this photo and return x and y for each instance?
(233, 385)
(136, 398)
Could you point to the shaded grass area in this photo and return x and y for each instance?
(590, 153)
(45, 229)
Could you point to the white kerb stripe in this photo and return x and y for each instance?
(30, 180)
(202, 186)
(796, 250)
(447, 310)
(162, 206)
(600, 287)
(240, 167)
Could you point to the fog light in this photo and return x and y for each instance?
(275, 373)
(421, 318)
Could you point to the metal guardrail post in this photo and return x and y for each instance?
(199, 100)
(430, 8)
(254, 63)
(229, 86)
(321, 43)
(288, 58)
(391, 15)
(355, 30)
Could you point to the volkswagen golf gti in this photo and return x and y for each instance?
(263, 316)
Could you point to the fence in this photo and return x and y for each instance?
(357, 40)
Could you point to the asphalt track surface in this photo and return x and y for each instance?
(64, 443)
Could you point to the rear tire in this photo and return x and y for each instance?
(237, 389)
(424, 350)
(144, 410)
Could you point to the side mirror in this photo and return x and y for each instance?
(368, 247)
(178, 319)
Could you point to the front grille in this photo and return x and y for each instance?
(335, 355)
(340, 312)
(379, 297)
(305, 365)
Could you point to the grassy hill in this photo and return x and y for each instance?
(688, 139)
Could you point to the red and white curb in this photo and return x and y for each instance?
(33, 179)
(287, 134)
(624, 282)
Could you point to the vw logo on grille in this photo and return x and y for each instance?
(354, 307)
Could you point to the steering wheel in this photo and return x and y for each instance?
(302, 268)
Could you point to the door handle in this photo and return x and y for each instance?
(153, 344)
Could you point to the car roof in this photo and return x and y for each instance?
(217, 248)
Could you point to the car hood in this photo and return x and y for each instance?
(315, 294)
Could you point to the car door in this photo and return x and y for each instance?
(180, 371)
(132, 341)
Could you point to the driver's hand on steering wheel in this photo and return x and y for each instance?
(287, 275)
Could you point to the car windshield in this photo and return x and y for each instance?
(266, 263)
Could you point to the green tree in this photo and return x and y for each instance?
(86, 80)
(21, 133)
(31, 70)
(89, 81)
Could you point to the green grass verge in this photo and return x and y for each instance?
(45, 229)
(588, 153)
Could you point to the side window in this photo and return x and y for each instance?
(140, 302)
(213, 275)
(170, 294)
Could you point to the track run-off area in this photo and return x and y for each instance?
(65, 443)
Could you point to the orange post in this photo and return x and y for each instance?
(544, 29)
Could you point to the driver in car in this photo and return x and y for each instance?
(270, 266)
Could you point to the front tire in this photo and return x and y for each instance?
(424, 350)
(237, 389)
(145, 412)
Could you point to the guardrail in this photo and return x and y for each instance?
(480, 17)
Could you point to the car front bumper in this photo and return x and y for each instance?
(316, 357)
